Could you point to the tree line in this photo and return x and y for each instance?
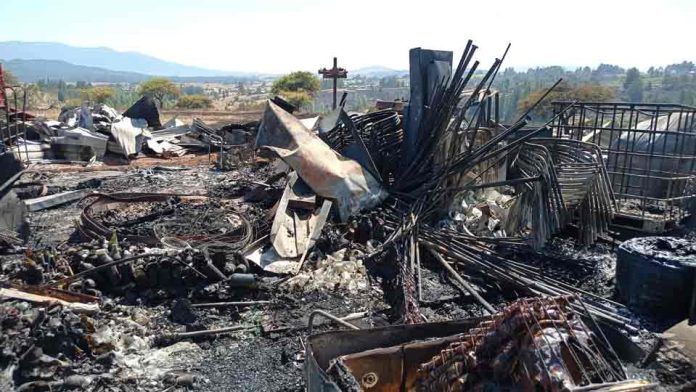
(162, 90)
(674, 83)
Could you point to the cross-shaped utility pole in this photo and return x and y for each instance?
(334, 73)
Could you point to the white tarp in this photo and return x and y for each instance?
(129, 135)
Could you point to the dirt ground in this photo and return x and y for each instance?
(209, 116)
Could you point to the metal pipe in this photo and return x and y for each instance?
(10, 181)
(627, 385)
(206, 332)
(319, 312)
(692, 308)
(488, 308)
(232, 303)
(516, 181)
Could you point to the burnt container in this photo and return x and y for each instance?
(655, 275)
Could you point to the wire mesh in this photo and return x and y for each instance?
(650, 155)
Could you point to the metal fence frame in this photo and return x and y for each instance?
(650, 154)
(15, 110)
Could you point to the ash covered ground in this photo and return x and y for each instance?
(128, 345)
(267, 355)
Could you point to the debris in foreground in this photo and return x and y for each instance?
(532, 344)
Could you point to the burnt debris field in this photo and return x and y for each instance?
(422, 247)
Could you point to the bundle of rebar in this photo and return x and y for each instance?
(491, 266)
(380, 132)
(572, 185)
(458, 143)
(532, 344)
(585, 185)
(488, 260)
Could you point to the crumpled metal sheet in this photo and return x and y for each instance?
(81, 137)
(328, 173)
(129, 134)
(292, 228)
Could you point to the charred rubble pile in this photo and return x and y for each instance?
(89, 133)
(362, 206)
(112, 312)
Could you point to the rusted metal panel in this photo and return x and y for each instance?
(388, 358)
(323, 347)
(328, 173)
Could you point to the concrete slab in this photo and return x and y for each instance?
(684, 336)
(41, 203)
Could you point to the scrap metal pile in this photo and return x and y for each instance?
(551, 183)
(556, 182)
(533, 343)
(88, 133)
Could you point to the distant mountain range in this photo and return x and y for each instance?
(103, 58)
(377, 71)
(32, 61)
(30, 71)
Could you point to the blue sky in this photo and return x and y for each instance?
(279, 36)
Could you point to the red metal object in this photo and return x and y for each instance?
(3, 94)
